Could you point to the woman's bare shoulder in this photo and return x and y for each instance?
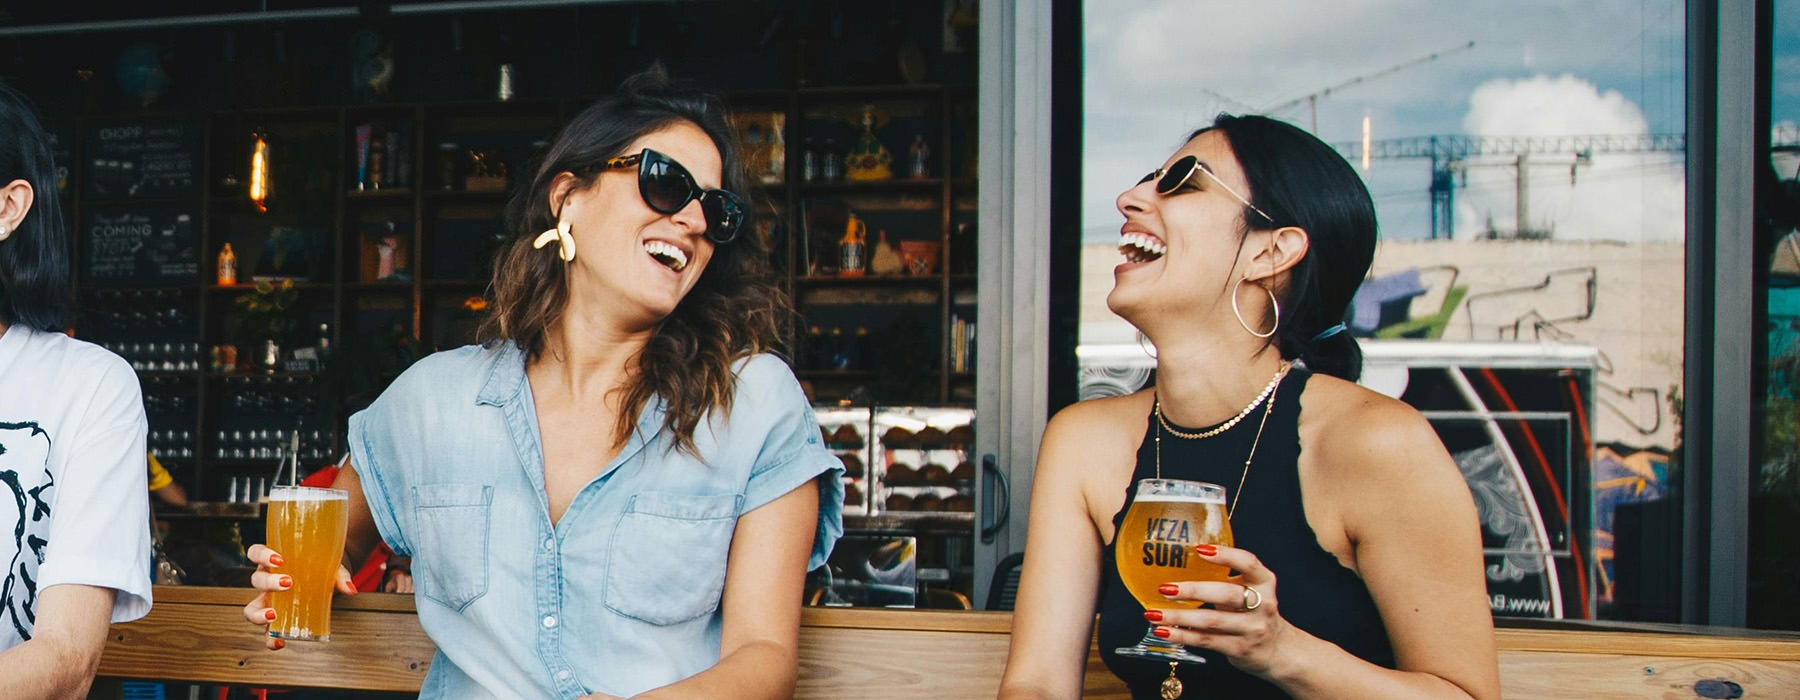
(1111, 417)
(1354, 425)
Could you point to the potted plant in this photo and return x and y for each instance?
(266, 317)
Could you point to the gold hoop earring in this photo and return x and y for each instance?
(1273, 303)
(1150, 348)
(565, 243)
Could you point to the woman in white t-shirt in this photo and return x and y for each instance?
(74, 518)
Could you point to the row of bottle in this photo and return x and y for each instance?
(825, 163)
(158, 357)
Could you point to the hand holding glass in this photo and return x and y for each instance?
(1155, 545)
(306, 526)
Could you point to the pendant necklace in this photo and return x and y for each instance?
(1171, 688)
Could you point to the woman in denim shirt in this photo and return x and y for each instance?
(620, 493)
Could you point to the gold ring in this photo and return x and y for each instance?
(1252, 599)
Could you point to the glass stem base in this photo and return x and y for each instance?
(1154, 647)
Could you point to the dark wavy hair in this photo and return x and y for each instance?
(34, 260)
(1300, 181)
(736, 308)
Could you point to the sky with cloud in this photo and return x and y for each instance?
(1157, 69)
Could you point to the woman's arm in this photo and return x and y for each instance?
(765, 578)
(60, 658)
(1413, 528)
(1054, 615)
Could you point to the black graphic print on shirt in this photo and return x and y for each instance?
(25, 495)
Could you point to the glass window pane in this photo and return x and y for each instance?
(1527, 165)
(1775, 499)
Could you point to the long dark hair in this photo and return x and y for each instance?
(34, 260)
(1300, 181)
(735, 309)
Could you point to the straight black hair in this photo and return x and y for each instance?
(34, 260)
(1300, 181)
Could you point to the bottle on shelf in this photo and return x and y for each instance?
(227, 266)
(918, 160)
(853, 248)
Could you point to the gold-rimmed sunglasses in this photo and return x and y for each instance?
(1179, 172)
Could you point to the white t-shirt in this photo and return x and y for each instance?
(73, 501)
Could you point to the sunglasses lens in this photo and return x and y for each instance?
(1177, 174)
(1149, 176)
(665, 185)
(725, 214)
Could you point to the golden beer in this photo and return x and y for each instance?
(1155, 545)
(306, 527)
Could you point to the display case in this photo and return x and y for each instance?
(909, 473)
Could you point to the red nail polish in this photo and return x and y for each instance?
(282, 645)
(276, 560)
(1153, 615)
(352, 585)
(1168, 589)
(1161, 632)
(286, 582)
(269, 614)
(1206, 550)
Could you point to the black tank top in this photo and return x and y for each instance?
(1317, 593)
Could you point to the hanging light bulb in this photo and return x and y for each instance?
(259, 173)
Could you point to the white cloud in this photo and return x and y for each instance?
(1622, 197)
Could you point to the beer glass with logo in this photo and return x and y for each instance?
(306, 526)
(1155, 545)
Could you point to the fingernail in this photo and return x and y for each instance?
(1206, 550)
(286, 582)
(281, 644)
(1161, 632)
(353, 587)
(1153, 615)
(1168, 589)
(276, 560)
(269, 614)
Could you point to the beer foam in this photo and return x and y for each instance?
(1214, 500)
(307, 493)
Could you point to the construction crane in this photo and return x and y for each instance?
(1312, 100)
(1451, 154)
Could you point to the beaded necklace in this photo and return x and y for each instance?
(1268, 394)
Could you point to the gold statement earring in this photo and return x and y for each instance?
(565, 243)
(1273, 303)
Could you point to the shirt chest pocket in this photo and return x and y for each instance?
(667, 556)
(450, 549)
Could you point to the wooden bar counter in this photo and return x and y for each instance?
(198, 635)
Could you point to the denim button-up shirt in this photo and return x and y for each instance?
(622, 594)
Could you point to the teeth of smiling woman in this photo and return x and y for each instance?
(667, 254)
(1139, 247)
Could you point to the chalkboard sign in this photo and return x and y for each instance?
(146, 246)
(142, 160)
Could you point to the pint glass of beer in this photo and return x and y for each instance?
(1155, 545)
(306, 527)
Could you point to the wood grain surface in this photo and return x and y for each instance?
(199, 635)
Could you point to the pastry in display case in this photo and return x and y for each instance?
(844, 430)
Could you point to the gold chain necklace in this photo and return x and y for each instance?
(1227, 425)
(1268, 393)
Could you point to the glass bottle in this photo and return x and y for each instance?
(227, 267)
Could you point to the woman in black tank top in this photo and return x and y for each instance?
(1357, 561)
